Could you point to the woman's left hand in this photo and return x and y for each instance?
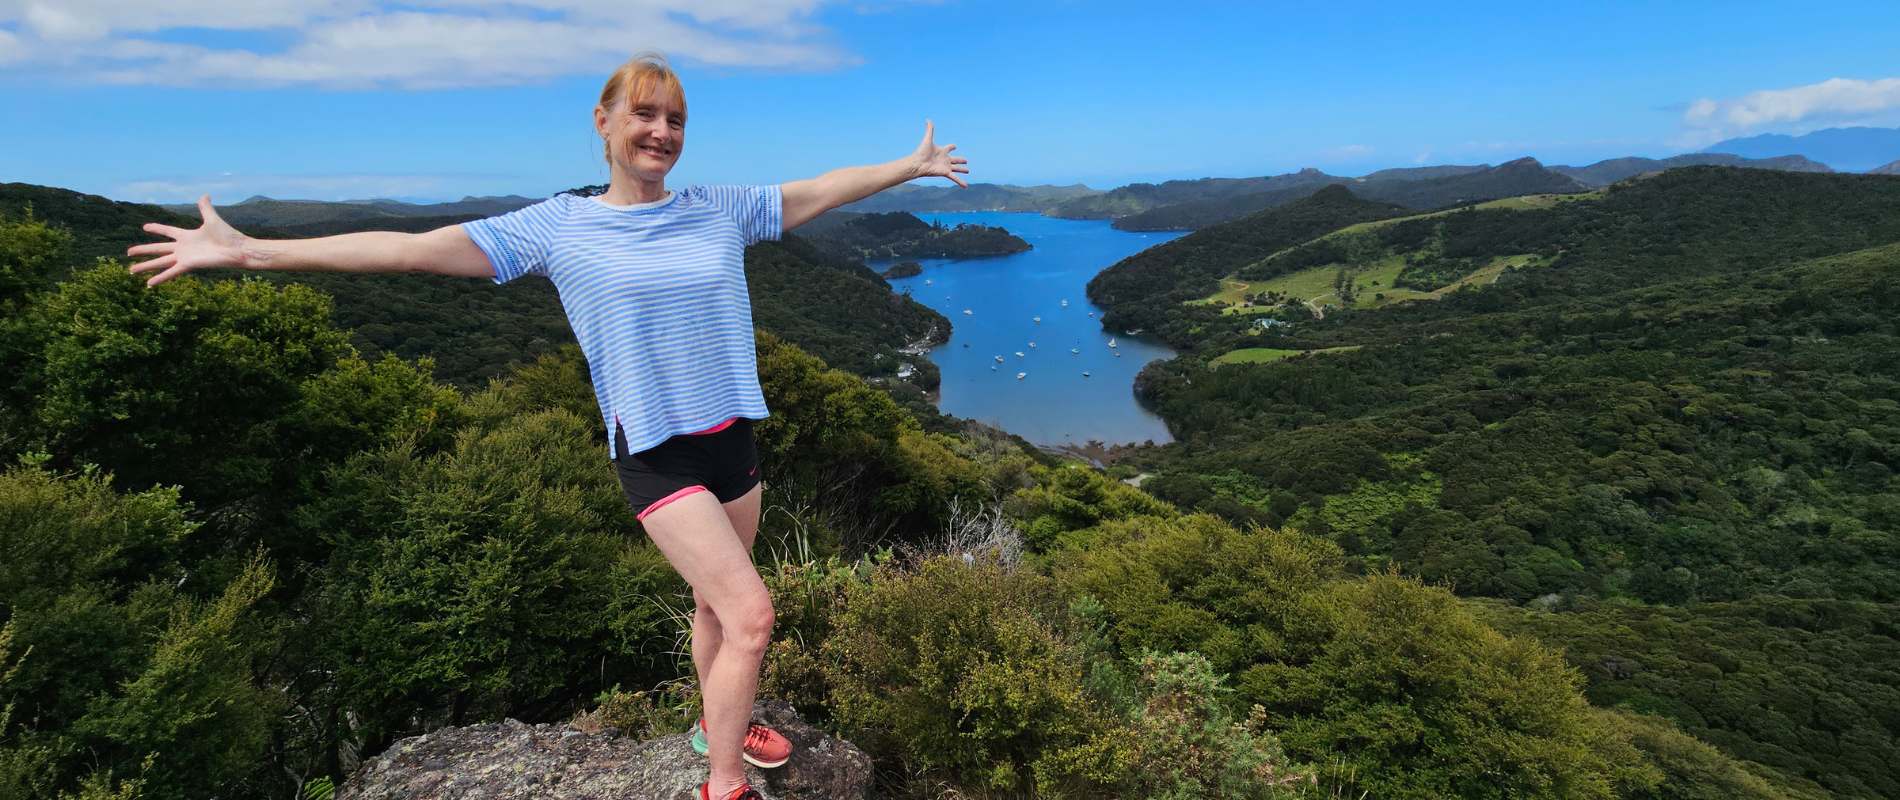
(934, 161)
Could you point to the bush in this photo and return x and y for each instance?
(1189, 747)
(971, 671)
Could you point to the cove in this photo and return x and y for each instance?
(1053, 404)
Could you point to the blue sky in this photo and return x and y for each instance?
(436, 99)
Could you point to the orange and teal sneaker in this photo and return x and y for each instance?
(742, 793)
(764, 748)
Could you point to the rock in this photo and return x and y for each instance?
(511, 760)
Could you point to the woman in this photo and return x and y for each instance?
(654, 287)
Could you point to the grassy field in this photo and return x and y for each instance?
(1529, 202)
(1315, 286)
(1267, 355)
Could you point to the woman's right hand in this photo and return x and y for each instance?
(211, 245)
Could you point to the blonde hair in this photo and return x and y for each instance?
(646, 73)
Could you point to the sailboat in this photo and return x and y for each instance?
(1065, 302)
(1111, 341)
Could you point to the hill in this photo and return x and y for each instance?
(1887, 169)
(280, 213)
(1846, 149)
(101, 227)
(976, 197)
(1604, 173)
(1612, 440)
(1138, 197)
(1146, 290)
(1423, 173)
(1510, 179)
(900, 234)
(1420, 188)
(1197, 214)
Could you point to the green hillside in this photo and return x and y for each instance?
(852, 236)
(1682, 416)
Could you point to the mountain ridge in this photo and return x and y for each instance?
(1850, 149)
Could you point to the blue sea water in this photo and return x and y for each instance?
(1053, 404)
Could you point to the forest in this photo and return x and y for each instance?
(1671, 452)
(1622, 526)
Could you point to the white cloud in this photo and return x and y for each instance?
(1835, 99)
(418, 44)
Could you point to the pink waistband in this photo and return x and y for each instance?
(716, 428)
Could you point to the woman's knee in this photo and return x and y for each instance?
(749, 627)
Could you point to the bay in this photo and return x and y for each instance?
(1053, 404)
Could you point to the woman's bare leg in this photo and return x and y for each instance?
(743, 514)
(695, 535)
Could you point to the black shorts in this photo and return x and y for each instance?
(725, 463)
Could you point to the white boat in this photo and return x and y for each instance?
(1075, 351)
(1111, 341)
(1091, 315)
(1085, 373)
(926, 281)
(1032, 345)
(968, 311)
(1118, 354)
(992, 367)
(999, 359)
(1037, 320)
(1019, 375)
(1019, 354)
(1065, 302)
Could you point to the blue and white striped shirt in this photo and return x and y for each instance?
(655, 294)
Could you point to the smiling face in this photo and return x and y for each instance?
(644, 135)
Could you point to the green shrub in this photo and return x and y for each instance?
(131, 681)
(968, 671)
(1404, 685)
(1189, 747)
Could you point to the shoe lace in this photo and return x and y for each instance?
(756, 736)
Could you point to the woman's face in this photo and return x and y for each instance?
(645, 136)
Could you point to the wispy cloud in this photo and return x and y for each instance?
(1832, 100)
(416, 44)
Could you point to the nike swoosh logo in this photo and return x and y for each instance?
(752, 471)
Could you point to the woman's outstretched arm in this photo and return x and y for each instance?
(806, 199)
(215, 244)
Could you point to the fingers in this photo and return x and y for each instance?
(162, 277)
(205, 211)
(164, 230)
(162, 262)
(153, 248)
(959, 181)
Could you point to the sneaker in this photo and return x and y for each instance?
(764, 747)
(742, 793)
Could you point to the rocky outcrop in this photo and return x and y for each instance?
(511, 760)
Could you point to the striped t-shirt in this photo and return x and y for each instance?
(655, 294)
